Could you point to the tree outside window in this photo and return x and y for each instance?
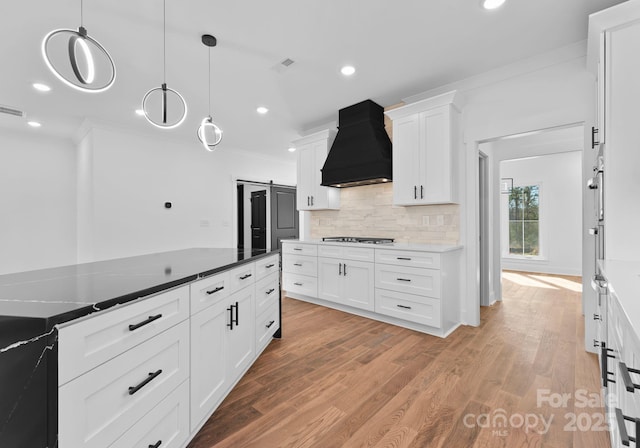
(524, 215)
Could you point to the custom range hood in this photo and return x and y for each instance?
(361, 152)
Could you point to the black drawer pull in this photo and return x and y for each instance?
(270, 291)
(269, 266)
(144, 322)
(404, 307)
(271, 323)
(215, 290)
(604, 364)
(403, 279)
(298, 284)
(244, 277)
(622, 428)
(156, 445)
(297, 248)
(404, 258)
(147, 380)
(628, 383)
(297, 264)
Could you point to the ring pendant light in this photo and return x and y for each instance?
(77, 59)
(157, 101)
(209, 133)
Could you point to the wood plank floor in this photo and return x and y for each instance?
(337, 380)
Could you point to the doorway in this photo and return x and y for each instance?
(266, 215)
(483, 228)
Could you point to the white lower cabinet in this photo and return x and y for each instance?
(422, 310)
(346, 282)
(166, 426)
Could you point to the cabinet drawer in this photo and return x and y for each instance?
(410, 280)
(267, 266)
(422, 310)
(98, 338)
(242, 276)
(267, 292)
(266, 325)
(97, 407)
(300, 284)
(300, 264)
(346, 252)
(167, 423)
(408, 258)
(208, 291)
(300, 249)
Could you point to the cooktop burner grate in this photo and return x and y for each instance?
(357, 239)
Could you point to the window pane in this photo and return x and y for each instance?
(515, 237)
(515, 203)
(531, 238)
(530, 202)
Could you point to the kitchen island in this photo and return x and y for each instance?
(40, 311)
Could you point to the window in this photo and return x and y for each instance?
(524, 226)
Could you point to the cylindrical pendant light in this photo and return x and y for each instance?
(78, 60)
(209, 133)
(163, 107)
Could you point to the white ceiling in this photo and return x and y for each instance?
(399, 48)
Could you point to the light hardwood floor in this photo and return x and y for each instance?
(337, 380)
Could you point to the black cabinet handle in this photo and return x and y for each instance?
(404, 306)
(271, 323)
(594, 131)
(269, 266)
(147, 380)
(297, 264)
(604, 364)
(156, 445)
(403, 279)
(404, 258)
(628, 383)
(622, 428)
(308, 201)
(312, 200)
(339, 268)
(421, 192)
(298, 284)
(230, 324)
(415, 192)
(237, 314)
(134, 327)
(270, 291)
(297, 248)
(215, 290)
(244, 277)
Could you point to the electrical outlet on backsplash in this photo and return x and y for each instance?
(368, 211)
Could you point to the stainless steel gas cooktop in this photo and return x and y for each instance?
(357, 239)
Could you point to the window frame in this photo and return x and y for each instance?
(541, 227)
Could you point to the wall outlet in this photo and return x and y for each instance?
(440, 220)
(425, 220)
(205, 223)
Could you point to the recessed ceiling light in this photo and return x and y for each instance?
(140, 112)
(492, 4)
(348, 70)
(292, 149)
(262, 110)
(41, 87)
(34, 124)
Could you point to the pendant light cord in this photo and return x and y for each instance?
(164, 42)
(209, 81)
(81, 13)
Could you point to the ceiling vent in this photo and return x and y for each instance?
(11, 111)
(287, 62)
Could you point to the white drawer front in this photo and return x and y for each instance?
(422, 310)
(267, 266)
(99, 406)
(98, 338)
(266, 292)
(300, 284)
(410, 280)
(300, 249)
(300, 264)
(346, 252)
(267, 324)
(167, 423)
(242, 276)
(408, 258)
(209, 290)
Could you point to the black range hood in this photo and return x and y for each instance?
(361, 152)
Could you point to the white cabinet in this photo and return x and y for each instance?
(222, 348)
(312, 153)
(347, 282)
(300, 268)
(426, 144)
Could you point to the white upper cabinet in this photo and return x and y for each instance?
(425, 151)
(312, 153)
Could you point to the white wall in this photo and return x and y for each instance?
(560, 231)
(133, 175)
(37, 201)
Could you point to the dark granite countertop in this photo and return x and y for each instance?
(68, 292)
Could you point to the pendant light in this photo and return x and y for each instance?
(160, 101)
(78, 60)
(209, 133)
